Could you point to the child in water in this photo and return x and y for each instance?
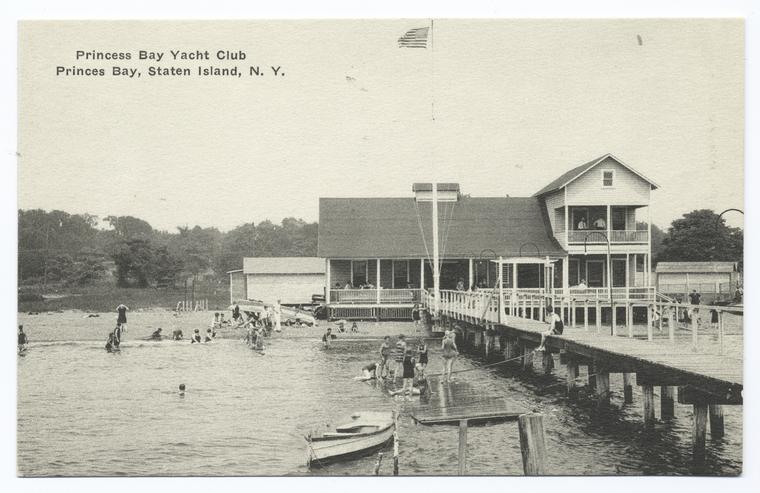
(196, 337)
(110, 347)
(209, 335)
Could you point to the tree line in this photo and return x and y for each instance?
(71, 249)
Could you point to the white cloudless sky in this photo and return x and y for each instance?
(501, 106)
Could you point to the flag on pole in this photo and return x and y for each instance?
(414, 38)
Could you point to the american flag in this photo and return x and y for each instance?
(414, 38)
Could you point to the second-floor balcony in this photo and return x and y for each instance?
(596, 237)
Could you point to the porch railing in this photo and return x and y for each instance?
(615, 236)
(374, 296)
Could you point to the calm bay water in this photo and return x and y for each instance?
(83, 412)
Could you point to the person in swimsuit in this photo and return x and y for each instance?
(109, 344)
(327, 338)
(398, 357)
(236, 312)
(368, 372)
(121, 318)
(385, 354)
(354, 327)
(556, 327)
(259, 334)
(22, 340)
(408, 365)
(156, 335)
(416, 316)
(450, 352)
(209, 335)
(117, 335)
(422, 356)
(196, 337)
(182, 390)
(177, 334)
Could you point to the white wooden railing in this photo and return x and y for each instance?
(671, 321)
(615, 236)
(374, 296)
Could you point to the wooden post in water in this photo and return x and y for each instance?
(532, 444)
(395, 443)
(572, 374)
(699, 427)
(602, 389)
(627, 388)
(648, 391)
(717, 429)
(527, 359)
(547, 363)
(667, 407)
(462, 447)
(377, 464)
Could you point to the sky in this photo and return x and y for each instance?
(502, 107)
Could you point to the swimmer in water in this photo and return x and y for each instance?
(177, 334)
(209, 336)
(327, 338)
(182, 390)
(156, 336)
(110, 344)
(196, 337)
(22, 340)
(369, 372)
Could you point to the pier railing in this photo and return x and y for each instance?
(639, 314)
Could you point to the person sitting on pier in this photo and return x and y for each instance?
(556, 327)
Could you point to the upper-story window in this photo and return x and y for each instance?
(608, 178)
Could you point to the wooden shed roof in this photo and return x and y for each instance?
(283, 265)
(402, 228)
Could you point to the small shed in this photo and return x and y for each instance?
(292, 280)
(714, 280)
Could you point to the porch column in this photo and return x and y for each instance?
(422, 273)
(329, 283)
(627, 276)
(378, 280)
(565, 275)
(514, 279)
(609, 217)
(471, 276)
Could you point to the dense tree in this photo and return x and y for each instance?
(701, 235)
(238, 243)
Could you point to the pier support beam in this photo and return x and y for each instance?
(648, 391)
(628, 388)
(602, 389)
(547, 363)
(667, 407)
(527, 357)
(717, 429)
(572, 374)
(699, 426)
(591, 376)
(511, 348)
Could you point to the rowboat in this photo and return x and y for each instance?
(366, 432)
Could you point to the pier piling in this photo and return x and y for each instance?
(667, 407)
(527, 359)
(602, 389)
(547, 363)
(572, 374)
(462, 447)
(717, 429)
(591, 376)
(627, 388)
(648, 391)
(532, 444)
(699, 426)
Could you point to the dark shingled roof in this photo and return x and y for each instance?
(390, 228)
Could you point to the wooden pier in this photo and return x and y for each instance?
(684, 359)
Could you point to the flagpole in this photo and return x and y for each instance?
(436, 264)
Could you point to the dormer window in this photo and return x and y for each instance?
(608, 178)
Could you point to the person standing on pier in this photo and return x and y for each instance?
(121, 318)
(399, 357)
(450, 352)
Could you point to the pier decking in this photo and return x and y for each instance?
(686, 352)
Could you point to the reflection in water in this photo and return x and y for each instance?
(85, 412)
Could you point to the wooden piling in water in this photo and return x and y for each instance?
(648, 391)
(527, 358)
(717, 429)
(377, 464)
(572, 374)
(462, 447)
(532, 444)
(547, 363)
(591, 376)
(602, 389)
(627, 388)
(699, 426)
(395, 443)
(667, 407)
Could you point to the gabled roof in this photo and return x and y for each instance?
(575, 173)
(283, 265)
(696, 267)
(402, 228)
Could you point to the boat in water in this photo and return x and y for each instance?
(366, 432)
